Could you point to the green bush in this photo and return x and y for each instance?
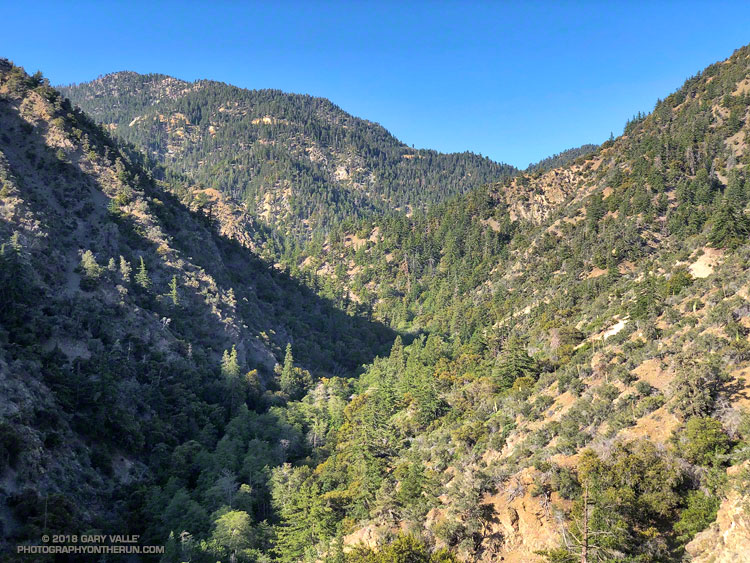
(644, 388)
(703, 440)
(696, 516)
(649, 404)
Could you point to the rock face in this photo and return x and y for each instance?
(525, 524)
(728, 539)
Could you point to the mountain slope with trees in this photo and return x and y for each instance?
(583, 335)
(299, 163)
(568, 364)
(138, 345)
(560, 159)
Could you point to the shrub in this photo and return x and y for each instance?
(644, 388)
(680, 279)
(703, 440)
(649, 404)
(696, 516)
(696, 387)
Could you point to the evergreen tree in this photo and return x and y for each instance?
(15, 281)
(397, 357)
(730, 228)
(230, 367)
(595, 210)
(173, 291)
(514, 363)
(232, 532)
(736, 193)
(171, 550)
(125, 269)
(141, 277)
(90, 267)
(15, 242)
(306, 520)
(291, 378)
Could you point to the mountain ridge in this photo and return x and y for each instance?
(598, 271)
(294, 159)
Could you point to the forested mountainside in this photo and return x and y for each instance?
(583, 333)
(560, 159)
(569, 363)
(138, 347)
(299, 163)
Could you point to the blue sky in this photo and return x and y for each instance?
(513, 81)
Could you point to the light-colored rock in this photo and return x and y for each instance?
(728, 539)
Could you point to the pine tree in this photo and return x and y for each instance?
(232, 532)
(90, 267)
(288, 382)
(125, 269)
(730, 227)
(15, 279)
(230, 367)
(141, 277)
(173, 291)
(306, 520)
(595, 210)
(15, 242)
(397, 356)
(514, 363)
(735, 193)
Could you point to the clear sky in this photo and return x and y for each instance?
(515, 81)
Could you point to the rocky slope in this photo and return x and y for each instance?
(727, 539)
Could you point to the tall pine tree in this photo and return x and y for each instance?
(141, 277)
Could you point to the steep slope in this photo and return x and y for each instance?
(135, 340)
(298, 162)
(585, 335)
(727, 539)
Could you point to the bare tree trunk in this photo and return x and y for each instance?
(585, 550)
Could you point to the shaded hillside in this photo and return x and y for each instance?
(299, 162)
(136, 342)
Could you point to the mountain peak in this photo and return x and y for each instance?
(300, 163)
